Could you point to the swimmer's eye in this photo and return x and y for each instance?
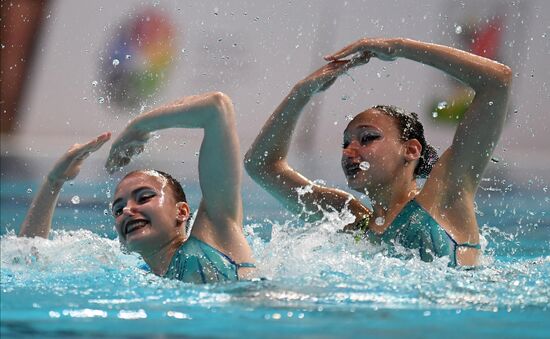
(117, 210)
(144, 197)
(369, 137)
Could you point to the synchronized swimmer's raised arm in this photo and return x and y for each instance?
(219, 218)
(266, 160)
(38, 220)
(478, 132)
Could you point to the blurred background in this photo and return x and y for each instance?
(73, 69)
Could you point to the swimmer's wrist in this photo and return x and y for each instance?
(53, 182)
(138, 125)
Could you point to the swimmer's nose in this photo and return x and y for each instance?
(350, 151)
(129, 210)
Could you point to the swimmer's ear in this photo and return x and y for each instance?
(413, 150)
(183, 211)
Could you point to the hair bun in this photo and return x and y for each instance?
(427, 161)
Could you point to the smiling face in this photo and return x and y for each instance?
(372, 137)
(147, 215)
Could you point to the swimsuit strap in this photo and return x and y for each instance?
(457, 245)
(468, 245)
(464, 244)
(246, 265)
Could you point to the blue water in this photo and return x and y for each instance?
(320, 283)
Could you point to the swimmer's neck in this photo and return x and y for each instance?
(387, 201)
(159, 260)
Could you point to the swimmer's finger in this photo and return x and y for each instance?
(359, 59)
(110, 164)
(93, 145)
(119, 159)
(137, 149)
(344, 52)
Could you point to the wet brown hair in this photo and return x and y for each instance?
(411, 128)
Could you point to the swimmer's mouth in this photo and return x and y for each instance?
(351, 169)
(134, 225)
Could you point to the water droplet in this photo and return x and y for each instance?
(349, 117)
(115, 62)
(183, 50)
(75, 200)
(458, 29)
(196, 154)
(101, 100)
(364, 165)
(495, 160)
(379, 221)
(345, 97)
(128, 57)
(378, 75)
(442, 105)
(490, 103)
(94, 83)
(434, 114)
(29, 190)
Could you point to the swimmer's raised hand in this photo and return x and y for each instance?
(129, 143)
(324, 77)
(383, 49)
(68, 167)
(38, 221)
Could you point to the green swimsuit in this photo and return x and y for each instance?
(196, 261)
(414, 228)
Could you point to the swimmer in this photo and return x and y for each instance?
(150, 208)
(385, 151)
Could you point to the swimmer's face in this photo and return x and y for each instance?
(371, 137)
(147, 215)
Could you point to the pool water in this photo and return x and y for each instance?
(318, 282)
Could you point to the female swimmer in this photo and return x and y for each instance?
(150, 209)
(384, 152)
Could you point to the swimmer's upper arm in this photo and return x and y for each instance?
(478, 132)
(220, 167)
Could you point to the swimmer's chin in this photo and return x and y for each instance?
(132, 239)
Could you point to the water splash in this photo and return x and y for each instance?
(364, 165)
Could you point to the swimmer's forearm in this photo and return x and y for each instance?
(476, 71)
(38, 220)
(273, 142)
(190, 112)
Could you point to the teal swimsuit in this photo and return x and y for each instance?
(196, 261)
(414, 228)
